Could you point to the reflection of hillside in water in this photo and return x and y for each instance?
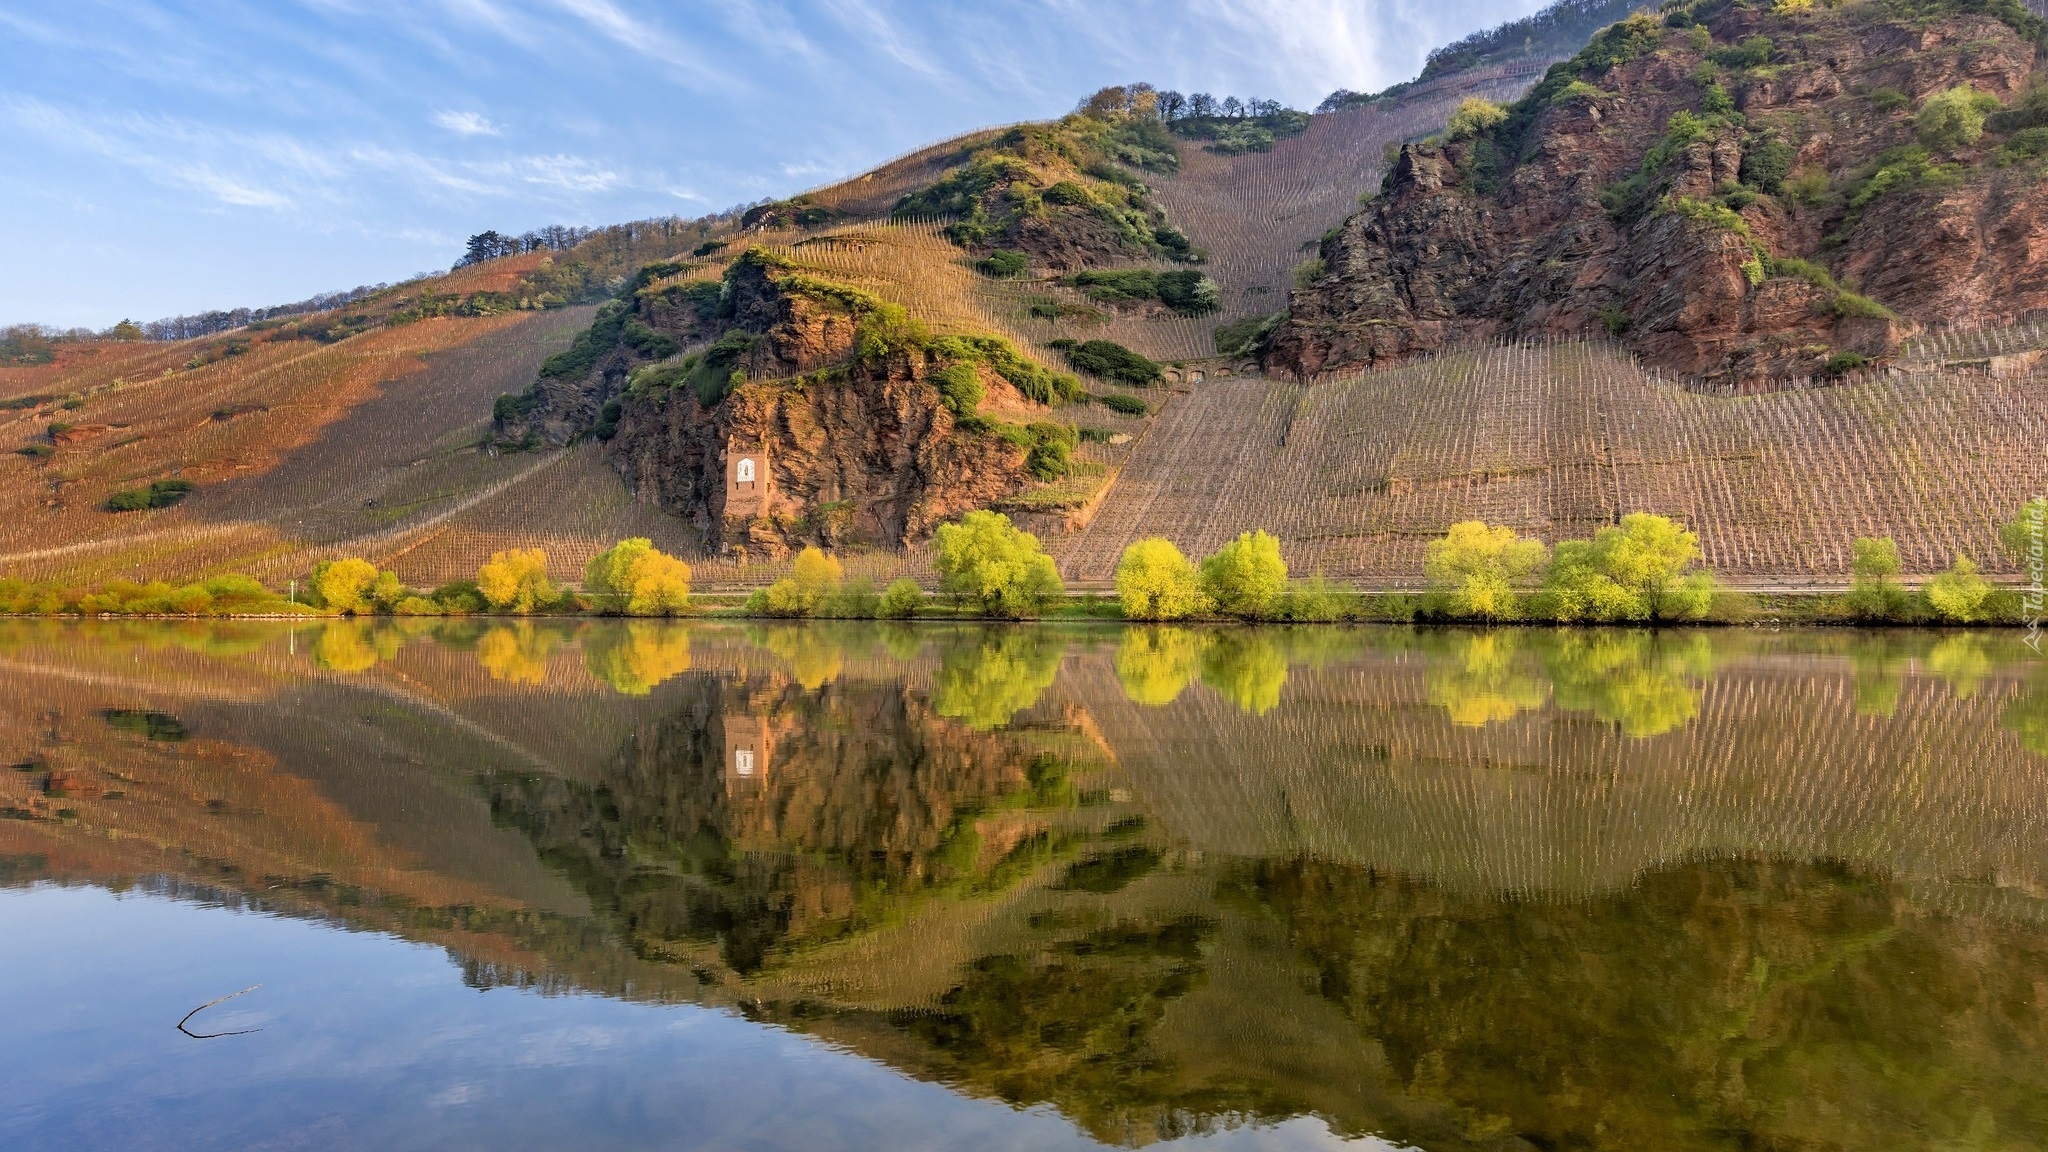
(1505, 761)
(1765, 892)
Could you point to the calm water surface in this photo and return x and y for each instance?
(621, 885)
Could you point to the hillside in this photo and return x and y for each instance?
(1569, 281)
(1742, 195)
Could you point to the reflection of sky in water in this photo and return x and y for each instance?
(372, 1042)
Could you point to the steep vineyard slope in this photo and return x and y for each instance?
(1259, 214)
(363, 429)
(1743, 195)
(1355, 475)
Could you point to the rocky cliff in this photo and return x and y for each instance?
(1741, 193)
(873, 430)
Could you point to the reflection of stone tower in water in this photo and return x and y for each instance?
(747, 485)
(748, 747)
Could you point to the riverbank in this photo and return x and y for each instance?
(1775, 605)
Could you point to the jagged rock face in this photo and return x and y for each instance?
(1467, 242)
(869, 455)
(857, 451)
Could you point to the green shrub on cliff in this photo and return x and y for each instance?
(1111, 361)
(1954, 118)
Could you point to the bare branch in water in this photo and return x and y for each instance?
(209, 1004)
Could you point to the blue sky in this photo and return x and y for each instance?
(168, 157)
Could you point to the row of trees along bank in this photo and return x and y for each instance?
(1644, 570)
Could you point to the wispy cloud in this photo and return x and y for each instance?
(124, 139)
(563, 173)
(649, 40)
(467, 123)
(892, 36)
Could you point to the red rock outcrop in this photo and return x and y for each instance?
(860, 445)
(1715, 195)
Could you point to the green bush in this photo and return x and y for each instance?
(1112, 285)
(1639, 570)
(1843, 363)
(1120, 402)
(1959, 594)
(2026, 144)
(1048, 447)
(1003, 264)
(1954, 118)
(353, 585)
(1754, 52)
(2025, 536)
(1068, 193)
(1311, 601)
(159, 494)
(590, 344)
(1478, 571)
(813, 580)
(1766, 162)
(900, 601)
(1875, 593)
(985, 559)
(1154, 581)
(648, 342)
(1111, 361)
(1034, 380)
(856, 600)
(960, 388)
(1246, 576)
(1247, 336)
(1475, 115)
(634, 577)
(459, 598)
(1186, 291)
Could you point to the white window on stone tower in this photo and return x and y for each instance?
(745, 472)
(743, 762)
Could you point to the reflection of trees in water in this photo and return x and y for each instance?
(1648, 683)
(1479, 678)
(1155, 664)
(815, 654)
(1739, 1004)
(1878, 666)
(517, 652)
(862, 800)
(986, 678)
(1962, 661)
(1248, 666)
(637, 657)
(354, 645)
(2027, 716)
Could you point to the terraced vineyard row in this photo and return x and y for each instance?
(1355, 476)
